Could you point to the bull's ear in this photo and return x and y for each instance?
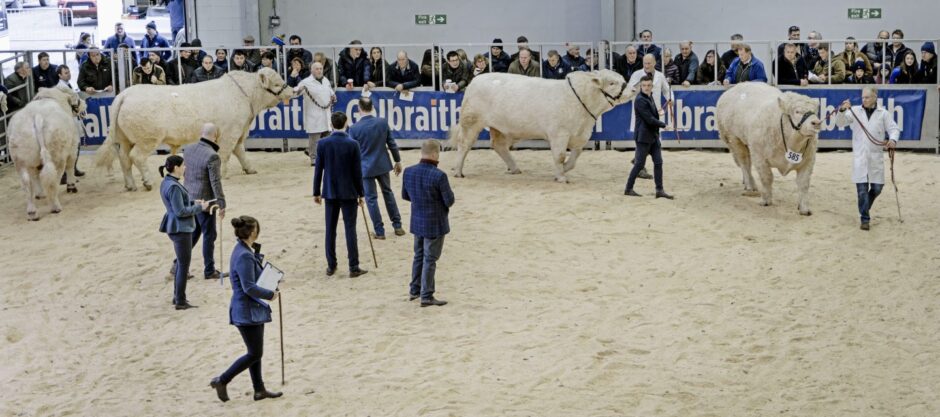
(596, 77)
(781, 104)
(264, 78)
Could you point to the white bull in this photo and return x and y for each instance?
(145, 116)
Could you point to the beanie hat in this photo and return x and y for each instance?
(152, 25)
(928, 46)
(498, 41)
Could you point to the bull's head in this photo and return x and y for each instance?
(802, 113)
(613, 85)
(272, 82)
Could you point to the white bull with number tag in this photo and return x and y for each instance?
(770, 129)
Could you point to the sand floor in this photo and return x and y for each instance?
(565, 299)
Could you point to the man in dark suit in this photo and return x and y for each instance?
(339, 171)
(646, 134)
(375, 141)
(428, 190)
(204, 182)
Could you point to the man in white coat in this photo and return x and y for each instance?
(868, 172)
(660, 89)
(318, 102)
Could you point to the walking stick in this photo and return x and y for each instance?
(280, 319)
(369, 234)
(672, 117)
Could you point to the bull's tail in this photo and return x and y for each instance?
(464, 133)
(48, 171)
(108, 150)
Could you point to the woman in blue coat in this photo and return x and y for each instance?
(248, 312)
(178, 223)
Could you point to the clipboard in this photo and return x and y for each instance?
(271, 276)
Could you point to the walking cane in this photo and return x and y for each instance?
(280, 319)
(369, 234)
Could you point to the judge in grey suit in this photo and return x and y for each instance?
(204, 182)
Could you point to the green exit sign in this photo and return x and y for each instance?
(864, 13)
(430, 19)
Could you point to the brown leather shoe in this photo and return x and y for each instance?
(432, 302)
(865, 226)
(220, 388)
(357, 272)
(260, 395)
(399, 232)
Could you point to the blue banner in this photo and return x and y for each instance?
(431, 114)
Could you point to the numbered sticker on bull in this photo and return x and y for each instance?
(794, 157)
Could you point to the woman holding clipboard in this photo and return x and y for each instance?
(247, 312)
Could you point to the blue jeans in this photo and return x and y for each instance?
(253, 336)
(427, 252)
(205, 226)
(349, 208)
(372, 202)
(867, 193)
(656, 151)
(183, 246)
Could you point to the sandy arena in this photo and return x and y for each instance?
(565, 299)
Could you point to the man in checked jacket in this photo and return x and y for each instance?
(204, 182)
(428, 190)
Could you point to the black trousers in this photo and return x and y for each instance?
(254, 341)
(656, 151)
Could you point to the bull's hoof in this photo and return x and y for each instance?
(806, 212)
(751, 193)
(148, 186)
(40, 197)
(250, 172)
(459, 175)
(71, 189)
(56, 210)
(130, 188)
(765, 203)
(513, 171)
(562, 179)
(32, 216)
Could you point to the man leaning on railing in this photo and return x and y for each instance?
(17, 84)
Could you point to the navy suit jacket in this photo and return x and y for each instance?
(647, 125)
(428, 190)
(247, 307)
(179, 208)
(338, 168)
(375, 141)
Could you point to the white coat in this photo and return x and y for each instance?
(660, 86)
(316, 118)
(869, 161)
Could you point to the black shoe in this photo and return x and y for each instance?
(645, 175)
(399, 232)
(185, 306)
(412, 297)
(220, 388)
(260, 395)
(330, 271)
(865, 226)
(79, 173)
(357, 272)
(662, 194)
(631, 193)
(432, 302)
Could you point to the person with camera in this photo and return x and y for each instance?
(179, 223)
(248, 310)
